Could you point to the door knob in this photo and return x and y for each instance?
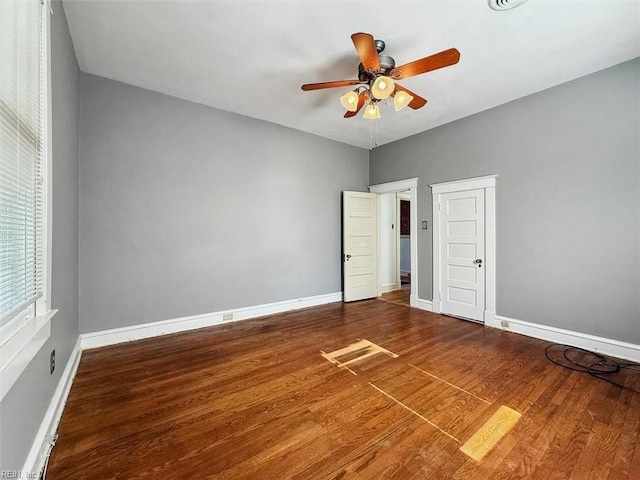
(347, 257)
(478, 261)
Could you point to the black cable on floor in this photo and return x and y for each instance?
(602, 366)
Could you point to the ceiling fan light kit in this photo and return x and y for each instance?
(401, 100)
(372, 111)
(383, 87)
(378, 76)
(350, 100)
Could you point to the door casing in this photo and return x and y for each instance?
(488, 183)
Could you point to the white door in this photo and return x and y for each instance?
(360, 245)
(462, 253)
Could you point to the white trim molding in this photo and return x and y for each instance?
(490, 253)
(424, 304)
(593, 343)
(175, 325)
(20, 346)
(488, 183)
(22, 337)
(40, 448)
(410, 184)
(391, 187)
(465, 184)
(389, 287)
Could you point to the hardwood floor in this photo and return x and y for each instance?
(259, 400)
(399, 297)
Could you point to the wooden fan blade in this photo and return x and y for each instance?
(361, 99)
(367, 51)
(337, 83)
(417, 102)
(427, 64)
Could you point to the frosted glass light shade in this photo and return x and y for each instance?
(383, 87)
(401, 100)
(372, 111)
(350, 101)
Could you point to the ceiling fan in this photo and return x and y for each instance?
(377, 76)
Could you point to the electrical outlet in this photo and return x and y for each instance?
(227, 316)
(504, 324)
(52, 362)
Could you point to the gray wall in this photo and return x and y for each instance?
(185, 209)
(23, 408)
(568, 196)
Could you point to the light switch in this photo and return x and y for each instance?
(424, 224)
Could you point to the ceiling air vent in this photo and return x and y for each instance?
(505, 4)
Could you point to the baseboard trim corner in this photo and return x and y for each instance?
(164, 327)
(37, 455)
(424, 304)
(593, 343)
(490, 319)
(390, 287)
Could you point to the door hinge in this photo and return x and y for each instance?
(440, 295)
(439, 206)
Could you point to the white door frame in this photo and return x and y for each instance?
(487, 183)
(410, 184)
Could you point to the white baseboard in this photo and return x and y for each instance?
(423, 304)
(490, 319)
(49, 425)
(436, 305)
(175, 325)
(607, 346)
(389, 287)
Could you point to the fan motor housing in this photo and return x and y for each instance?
(387, 64)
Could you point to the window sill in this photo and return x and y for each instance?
(20, 347)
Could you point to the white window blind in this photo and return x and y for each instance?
(22, 159)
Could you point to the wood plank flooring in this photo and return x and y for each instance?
(400, 296)
(257, 400)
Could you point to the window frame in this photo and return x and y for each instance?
(22, 337)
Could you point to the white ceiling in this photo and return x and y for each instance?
(251, 57)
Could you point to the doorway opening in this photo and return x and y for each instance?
(398, 246)
(403, 262)
(394, 224)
